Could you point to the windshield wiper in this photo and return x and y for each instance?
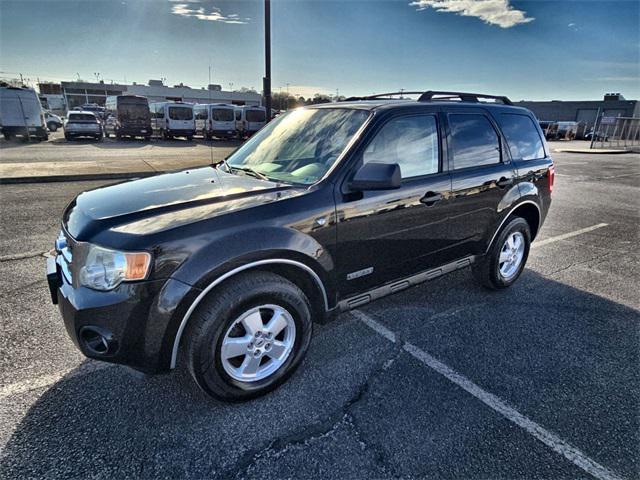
(249, 171)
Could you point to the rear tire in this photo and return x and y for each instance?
(252, 299)
(507, 256)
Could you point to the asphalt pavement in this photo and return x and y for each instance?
(445, 380)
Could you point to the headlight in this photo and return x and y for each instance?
(105, 269)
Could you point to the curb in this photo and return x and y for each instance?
(591, 152)
(77, 178)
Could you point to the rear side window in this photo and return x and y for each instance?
(474, 141)
(200, 112)
(411, 142)
(522, 136)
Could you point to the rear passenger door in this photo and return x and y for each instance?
(482, 177)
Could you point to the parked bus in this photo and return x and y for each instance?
(21, 114)
(173, 119)
(250, 119)
(127, 116)
(215, 120)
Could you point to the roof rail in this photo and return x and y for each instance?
(381, 96)
(463, 96)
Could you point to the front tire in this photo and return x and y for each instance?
(248, 337)
(505, 260)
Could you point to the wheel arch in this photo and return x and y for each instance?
(527, 209)
(301, 274)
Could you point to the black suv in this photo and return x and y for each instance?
(223, 269)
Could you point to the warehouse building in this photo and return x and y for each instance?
(68, 95)
(583, 112)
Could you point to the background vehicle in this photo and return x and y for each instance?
(127, 116)
(250, 119)
(82, 124)
(53, 121)
(173, 119)
(549, 128)
(567, 130)
(325, 209)
(92, 107)
(21, 114)
(215, 120)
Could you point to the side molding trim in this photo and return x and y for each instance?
(222, 278)
(508, 215)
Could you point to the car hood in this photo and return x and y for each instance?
(167, 201)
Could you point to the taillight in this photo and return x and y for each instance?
(552, 177)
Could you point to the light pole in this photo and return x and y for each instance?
(266, 81)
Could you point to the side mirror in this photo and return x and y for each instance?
(377, 176)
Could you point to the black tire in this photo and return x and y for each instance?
(7, 136)
(487, 270)
(216, 314)
(67, 137)
(147, 138)
(118, 136)
(99, 138)
(190, 138)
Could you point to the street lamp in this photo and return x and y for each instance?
(266, 81)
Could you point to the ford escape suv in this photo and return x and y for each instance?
(222, 270)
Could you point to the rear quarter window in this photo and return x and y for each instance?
(522, 136)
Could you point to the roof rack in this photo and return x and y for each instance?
(429, 95)
(463, 96)
(381, 96)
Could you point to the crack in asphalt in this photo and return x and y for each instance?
(21, 256)
(323, 429)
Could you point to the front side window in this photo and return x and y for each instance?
(300, 146)
(411, 142)
(522, 136)
(159, 111)
(222, 115)
(474, 141)
(180, 113)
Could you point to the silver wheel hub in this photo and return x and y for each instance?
(511, 255)
(258, 343)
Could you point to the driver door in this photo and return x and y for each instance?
(389, 234)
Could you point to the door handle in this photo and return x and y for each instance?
(431, 198)
(504, 182)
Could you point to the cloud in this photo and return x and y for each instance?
(213, 14)
(573, 26)
(492, 12)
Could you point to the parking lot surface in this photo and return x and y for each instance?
(445, 380)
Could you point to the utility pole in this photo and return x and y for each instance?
(266, 81)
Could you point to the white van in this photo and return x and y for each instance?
(21, 114)
(250, 119)
(172, 119)
(215, 120)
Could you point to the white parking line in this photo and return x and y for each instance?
(567, 235)
(48, 380)
(550, 439)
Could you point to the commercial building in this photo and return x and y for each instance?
(68, 95)
(584, 112)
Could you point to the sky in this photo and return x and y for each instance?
(534, 50)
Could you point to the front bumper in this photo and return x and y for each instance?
(139, 319)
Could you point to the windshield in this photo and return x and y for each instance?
(222, 114)
(300, 146)
(255, 116)
(180, 113)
